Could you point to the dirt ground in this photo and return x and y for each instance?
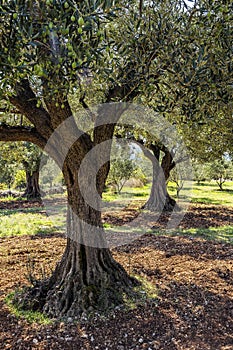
(193, 279)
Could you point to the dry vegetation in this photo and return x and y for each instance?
(193, 279)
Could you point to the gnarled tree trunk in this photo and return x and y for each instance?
(32, 179)
(87, 277)
(32, 185)
(159, 199)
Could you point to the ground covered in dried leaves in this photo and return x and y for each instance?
(193, 278)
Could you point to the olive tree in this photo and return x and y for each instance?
(220, 170)
(53, 49)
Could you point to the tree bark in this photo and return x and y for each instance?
(21, 133)
(87, 278)
(159, 199)
(32, 185)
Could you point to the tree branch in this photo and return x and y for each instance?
(140, 7)
(147, 153)
(26, 103)
(86, 107)
(21, 133)
(121, 93)
(46, 122)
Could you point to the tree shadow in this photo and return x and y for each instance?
(205, 318)
(226, 190)
(201, 217)
(188, 246)
(207, 216)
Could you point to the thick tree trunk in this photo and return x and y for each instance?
(159, 199)
(32, 185)
(87, 278)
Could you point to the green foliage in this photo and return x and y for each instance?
(209, 138)
(144, 170)
(51, 175)
(52, 40)
(3, 186)
(138, 174)
(200, 172)
(166, 54)
(174, 58)
(7, 172)
(19, 179)
(120, 172)
(21, 154)
(18, 159)
(220, 171)
(122, 166)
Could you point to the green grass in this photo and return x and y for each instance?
(143, 293)
(207, 193)
(6, 212)
(127, 193)
(28, 315)
(13, 223)
(32, 221)
(221, 234)
(9, 199)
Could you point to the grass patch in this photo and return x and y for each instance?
(209, 193)
(107, 225)
(147, 287)
(110, 196)
(10, 198)
(128, 192)
(6, 212)
(17, 224)
(222, 233)
(205, 193)
(144, 292)
(32, 221)
(28, 315)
